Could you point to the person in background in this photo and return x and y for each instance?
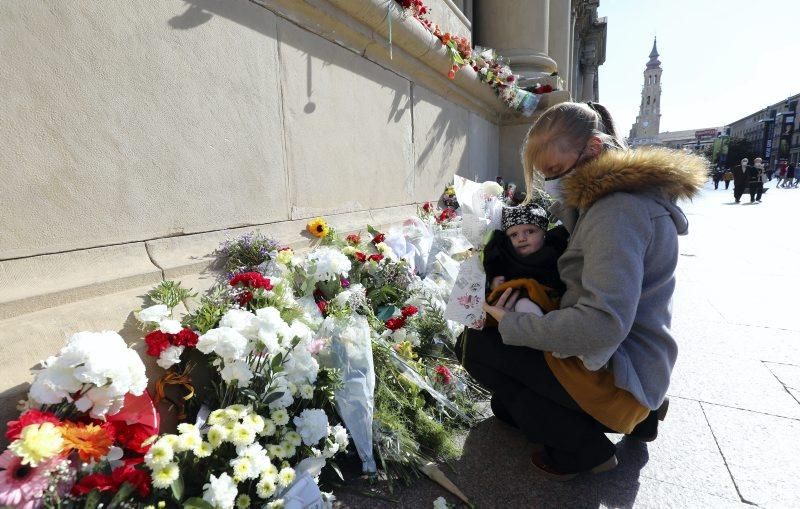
(781, 173)
(740, 179)
(755, 176)
(716, 176)
(727, 177)
(790, 177)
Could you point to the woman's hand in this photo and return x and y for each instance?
(497, 281)
(504, 304)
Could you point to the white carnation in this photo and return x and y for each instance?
(225, 342)
(440, 503)
(153, 313)
(100, 360)
(339, 434)
(312, 425)
(282, 386)
(170, 326)
(238, 371)
(271, 329)
(170, 356)
(326, 263)
(220, 491)
(301, 367)
(243, 322)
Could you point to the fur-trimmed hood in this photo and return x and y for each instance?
(672, 173)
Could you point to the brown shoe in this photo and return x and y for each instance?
(544, 465)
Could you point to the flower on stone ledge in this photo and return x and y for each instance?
(318, 227)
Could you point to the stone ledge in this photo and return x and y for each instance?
(39, 282)
(416, 54)
(192, 254)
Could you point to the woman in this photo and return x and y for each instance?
(612, 327)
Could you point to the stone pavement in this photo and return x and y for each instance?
(732, 436)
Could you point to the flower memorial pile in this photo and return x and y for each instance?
(269, 377)
(492, 69)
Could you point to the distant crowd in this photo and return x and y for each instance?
(751, 178)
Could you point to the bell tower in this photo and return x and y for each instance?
(645, 130)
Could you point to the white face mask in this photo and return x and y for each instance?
(555, 188)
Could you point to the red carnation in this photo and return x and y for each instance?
(157, 342)
(99, 482)
(409, 311)
(447, 214)
(251, 280)
(139, 479)
(361, 256)
(186, 337)
(353, 239)
(323, 307)
(443, 374)
(131, 436)
(395, 323)
(427, 206)
(376, 257)
(378, 238)
(32, 416)
(244, 298)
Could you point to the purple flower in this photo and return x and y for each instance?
(345, 282)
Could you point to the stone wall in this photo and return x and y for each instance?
(136, 137)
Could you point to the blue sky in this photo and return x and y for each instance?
(722, 59)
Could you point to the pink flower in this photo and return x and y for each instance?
(443, 374)
(23, 486)
(315, 346)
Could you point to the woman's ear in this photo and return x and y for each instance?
(594, 146)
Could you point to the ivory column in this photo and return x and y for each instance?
(519, 31)
(560, 36)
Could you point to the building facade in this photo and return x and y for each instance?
(696, 140)
(772, 132)
(140, 135)
(646, 128)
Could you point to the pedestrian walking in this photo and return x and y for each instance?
(755, 176)
(781, 173)
(716, 175)
(727, 177)
(739, 179)
(790, 177)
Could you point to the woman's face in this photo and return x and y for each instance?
(526, 238)
(556, 162)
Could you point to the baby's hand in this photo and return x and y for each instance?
(497, 281)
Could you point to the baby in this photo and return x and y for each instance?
(524, 256)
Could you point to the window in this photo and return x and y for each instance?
(648, 99)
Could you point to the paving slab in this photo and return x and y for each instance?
(762, 453)
(787, 374)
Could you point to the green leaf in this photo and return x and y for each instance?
(272, 397)
(276, 361)
(124, 492)
(177, 488)
(372, 231)
(385, 312)
(197, 503)
(92, 499)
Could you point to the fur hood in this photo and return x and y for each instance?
(676, 174)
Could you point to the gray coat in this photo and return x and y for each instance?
(619, 268)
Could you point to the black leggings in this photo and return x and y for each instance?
(523, 384)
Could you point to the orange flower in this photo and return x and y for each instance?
(318, 227)
(90, 440)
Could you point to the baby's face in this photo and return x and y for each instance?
(526, 238)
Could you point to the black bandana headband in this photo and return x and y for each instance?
(525, 214)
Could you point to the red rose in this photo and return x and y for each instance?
(323, 307)
(139, 479)
(510, 79)
(443, 374)
(361, 256)
(426, 207)
(409, 311)
(353, 239)
(186, 337)
(32, 416)
(377, 239)
(99, 482)
(395, 323)
(157, 342)
(376, 257)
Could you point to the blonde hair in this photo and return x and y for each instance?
(566, 126)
